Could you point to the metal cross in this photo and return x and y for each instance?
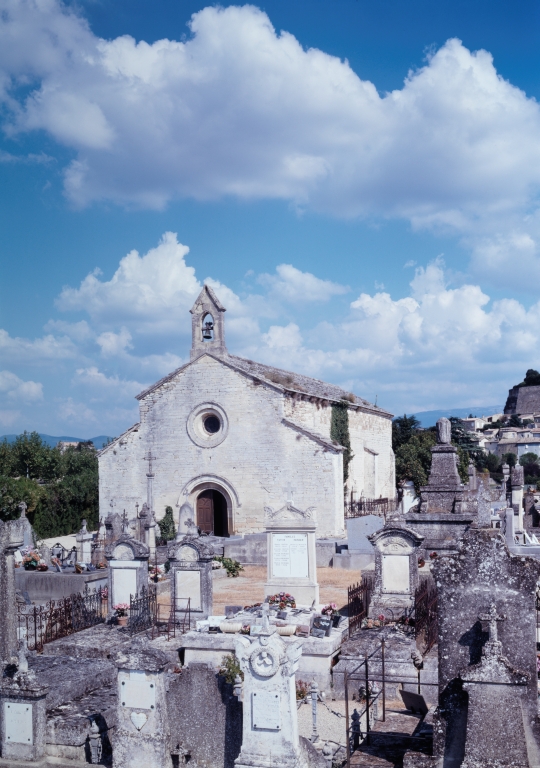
(492, 618)
(149, 458)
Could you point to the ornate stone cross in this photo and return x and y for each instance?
(149, 458)
(289, 493)
(492, 618)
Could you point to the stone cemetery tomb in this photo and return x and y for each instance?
(190, 560)
(396, 570)
(128, 569)
(291, 563)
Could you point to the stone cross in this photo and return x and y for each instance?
(149, 458)
(23, 507)
(492, 618)
(150, 477)
(124, 522)
(289, 493)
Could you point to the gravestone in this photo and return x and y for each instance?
(23, 713)
(518, 480)
(270, 723)
(142, 734)
(190, 560)
(28, 534)
(446, 508)
(84, 544)
(291, 561)
(128, 569)
(474, 677)
(185, 518)
(396, 570)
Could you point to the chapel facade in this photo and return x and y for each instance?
(228, 437)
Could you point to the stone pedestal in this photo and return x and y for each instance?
(84, 544)
(270, 723)
(517, 481)
(11, 538)
(396, 570)
(190, 560)
(23, 715)
(142, 734)
(292, 562)
(128, 569)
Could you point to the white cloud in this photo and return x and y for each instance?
(293, 285)
(48, 348)
(15, 388)
(152, 292)
(113, 344)
(102, 386)
(240, 110)
(8, 418)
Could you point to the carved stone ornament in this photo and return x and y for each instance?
(444, 432)
(123, 552)
(139, 719)
(288, 512)
(395, 545)
(264, 662)
(188, 553)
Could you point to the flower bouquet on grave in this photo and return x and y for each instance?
(104, 594)
(283, 600)
(31, 558)
(121, 613)
(332, 610)
(100, 566)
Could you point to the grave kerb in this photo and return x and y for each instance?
(292, 559)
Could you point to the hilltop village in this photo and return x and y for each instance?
(260, 591)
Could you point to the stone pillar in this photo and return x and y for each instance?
(11, 538)
(142, 734)
(84, 544)
(471, 472)
(518, 480)
(24, 716)
(270, 723)
(143, 520)
(150, 538)
(190, 560)
(292, 561)
(396, 570)
(128, 569)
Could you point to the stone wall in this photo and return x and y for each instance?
(205, 717)
(258, 458)
(523, 400)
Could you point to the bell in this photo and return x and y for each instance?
(207, 331)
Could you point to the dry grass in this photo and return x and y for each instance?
(248, 588)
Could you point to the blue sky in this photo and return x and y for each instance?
(358, 181)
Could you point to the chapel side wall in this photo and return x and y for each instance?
(372, 469)
(259, 457)
(122, 474)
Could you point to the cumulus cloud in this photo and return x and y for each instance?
(291, 284)
(48, 348)
(151, 291)
(14, 388)
(239, 109)
(102, 386)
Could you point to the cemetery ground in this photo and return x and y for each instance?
(248, 587)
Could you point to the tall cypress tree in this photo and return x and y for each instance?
(339, 431)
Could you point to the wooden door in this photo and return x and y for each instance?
(205, 512)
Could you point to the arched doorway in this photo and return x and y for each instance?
(212, 513)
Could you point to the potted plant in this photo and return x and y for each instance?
(121, 613)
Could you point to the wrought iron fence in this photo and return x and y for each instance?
(171, 622)
(358, 600)
(425, 615)
(142, 610)
(361, 507)
(41, 624)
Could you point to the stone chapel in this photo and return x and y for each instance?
(223, 437)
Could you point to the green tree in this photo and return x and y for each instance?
(32, 458)
(413, 458)
(509, 458)
(403, 428)
(532, 379)
(339, 431)
(515, 421)
(166, 525)
(13, 491)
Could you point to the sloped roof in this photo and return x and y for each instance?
(286, 381)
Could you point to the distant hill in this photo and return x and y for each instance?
(430, 418)
(99, 442)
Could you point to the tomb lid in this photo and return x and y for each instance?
(127, 548)
(139, 656)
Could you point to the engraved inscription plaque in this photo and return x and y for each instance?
(395, 573)
(265, 711)
(137, 690)
(188, 584)
(290, 555)
(124, 582)
(18, 723)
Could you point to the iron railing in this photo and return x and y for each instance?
(171, 622)
(362, 507)
(42, 624)
(425, 615)
(142, 610)
(358, 600)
